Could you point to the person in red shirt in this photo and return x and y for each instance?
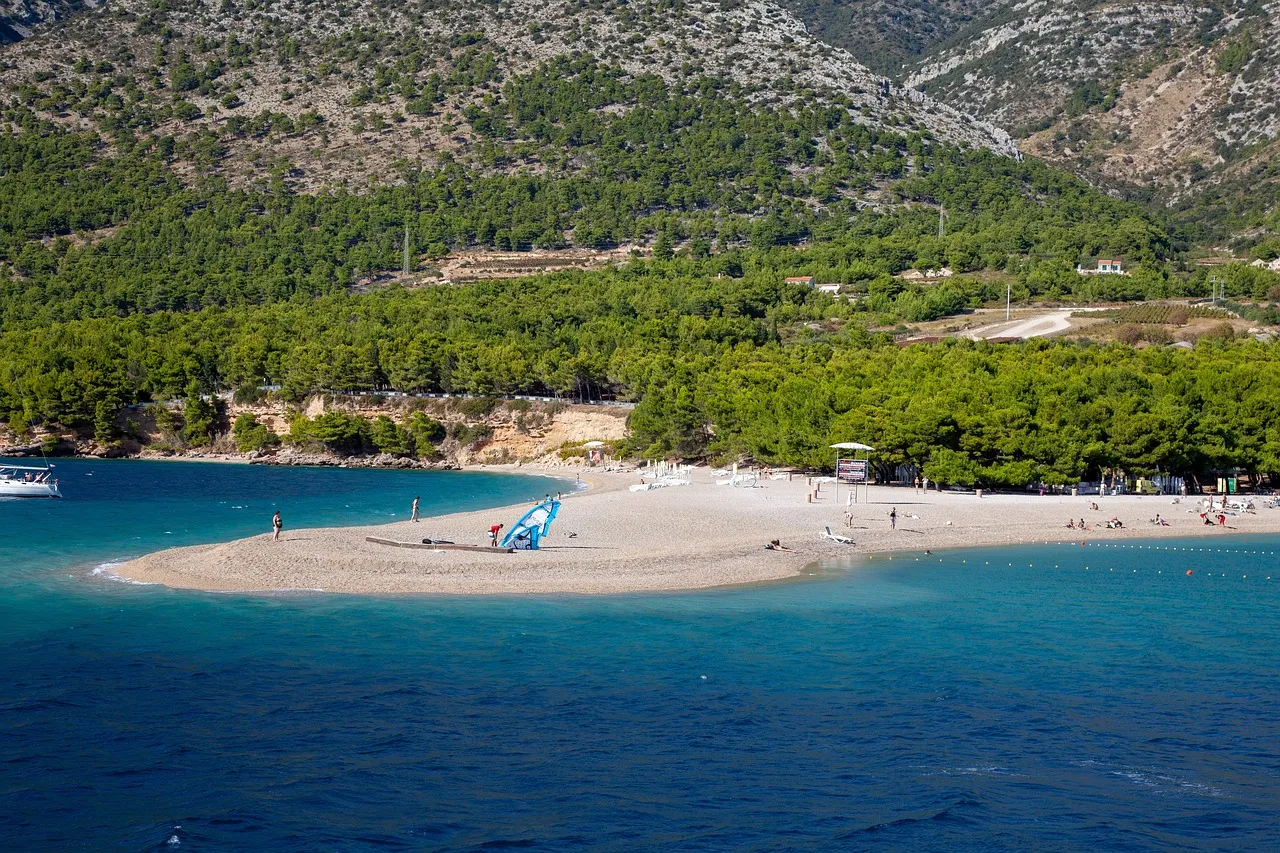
(493, 534)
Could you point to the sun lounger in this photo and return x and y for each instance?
(836, 537)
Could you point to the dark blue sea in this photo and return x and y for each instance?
(1034, 698)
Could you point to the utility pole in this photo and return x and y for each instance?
(942, 220)
(1217, 289)
(1008, 299)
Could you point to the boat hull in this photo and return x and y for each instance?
(20, 489)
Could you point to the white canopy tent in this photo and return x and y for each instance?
(855, 448)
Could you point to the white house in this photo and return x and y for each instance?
(806, 280)
(1274, 266)
(832, 288)
(1106, 266)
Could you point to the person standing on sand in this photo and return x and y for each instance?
(925, 482)
(277, 524)
(413, 516)
(917, 484)
(493, 534)
(893, 518)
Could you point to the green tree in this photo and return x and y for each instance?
(18, 424)
(104, 423)
(250, 435)
(199, 416)
(664, 247)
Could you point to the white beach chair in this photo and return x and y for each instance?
(836, 537)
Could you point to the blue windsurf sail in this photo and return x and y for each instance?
(526, 533)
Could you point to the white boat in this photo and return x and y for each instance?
(28, 481)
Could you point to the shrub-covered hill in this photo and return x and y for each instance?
(573, 153)
(343, 89)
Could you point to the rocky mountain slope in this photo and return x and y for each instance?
(1175, 104)
(360, 86)
(20, 18)
(1177, 101)
(892, 36)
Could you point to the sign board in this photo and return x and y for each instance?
(852, 470)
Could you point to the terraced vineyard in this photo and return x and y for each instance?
(1167, 315)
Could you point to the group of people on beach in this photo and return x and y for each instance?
(1113, 523)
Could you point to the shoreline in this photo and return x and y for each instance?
(610, 540)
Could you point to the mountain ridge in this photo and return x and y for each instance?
(298, 58)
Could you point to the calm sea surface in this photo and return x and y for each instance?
(1038, 698)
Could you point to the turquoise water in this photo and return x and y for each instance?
(1047, 697)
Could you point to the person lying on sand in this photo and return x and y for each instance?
(775, 545)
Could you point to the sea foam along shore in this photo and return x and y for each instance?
(676, 538)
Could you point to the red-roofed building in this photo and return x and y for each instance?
(1106, 266)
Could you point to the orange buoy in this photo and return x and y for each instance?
(1188, 571)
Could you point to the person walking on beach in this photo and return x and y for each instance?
(277, 524)
(413, 516)
(917, 484)
(893, 518)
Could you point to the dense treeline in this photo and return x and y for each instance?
(574, 152)
(121, 284)
(721, 368)
(974, 413)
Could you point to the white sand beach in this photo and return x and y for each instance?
(680, 537)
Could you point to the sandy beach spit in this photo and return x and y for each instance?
(676, 538)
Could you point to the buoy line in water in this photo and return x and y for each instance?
(1189, 572)
(1175, 548)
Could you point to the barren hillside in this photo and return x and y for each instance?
(1174, 99)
